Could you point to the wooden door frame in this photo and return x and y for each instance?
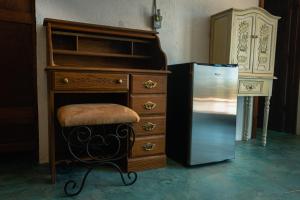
(28, 18)
(261, 3)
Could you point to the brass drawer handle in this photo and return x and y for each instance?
(254, 36)
(150, 84)
(149, 146)
(149, 105)
(119, 81)
(148, 126)
(66, 80)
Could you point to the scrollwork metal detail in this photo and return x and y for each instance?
(95, 146)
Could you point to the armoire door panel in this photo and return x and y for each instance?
(18, 102)
(17, 66)
(242, 41)
(264, 45)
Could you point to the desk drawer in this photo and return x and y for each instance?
(90, 81)
(150, 125)
(145, 146)
(147, 162)
(258, 87)
(148, 104)
(148, 84)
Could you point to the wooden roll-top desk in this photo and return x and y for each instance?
(93, 64)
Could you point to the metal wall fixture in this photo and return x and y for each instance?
(157, 18)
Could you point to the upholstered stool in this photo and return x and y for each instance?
(91, 143)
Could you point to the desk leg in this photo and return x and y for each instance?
(266, 119)
(51, 136)
(246, 118)
(249, 123)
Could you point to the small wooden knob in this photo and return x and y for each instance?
(120, 81)
(66, 80)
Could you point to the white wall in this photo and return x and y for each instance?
(184, 35)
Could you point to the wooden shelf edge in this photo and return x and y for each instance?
(87, 27)
(106, 69)
(83, 35)
(242, 76)
(85, 53)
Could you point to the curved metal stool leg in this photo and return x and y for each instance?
(96, 147)
(72, 185)
(131, 176)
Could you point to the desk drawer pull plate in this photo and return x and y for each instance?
(148, 126)
(150, 84)
(66, 80)
(149, 146)
(149, 105)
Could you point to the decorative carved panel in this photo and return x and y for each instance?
(243, 42)
(263, 46)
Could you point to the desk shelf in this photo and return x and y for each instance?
(73, 46)
(86, 53)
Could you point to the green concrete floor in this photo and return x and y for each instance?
(256, 173)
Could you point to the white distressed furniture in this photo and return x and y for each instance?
(247, 38)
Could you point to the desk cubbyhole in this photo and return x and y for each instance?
(143, 48)
(98, 45)
(64, 42)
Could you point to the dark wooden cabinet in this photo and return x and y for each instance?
(284, 102)
(18, 102)
(100, 64)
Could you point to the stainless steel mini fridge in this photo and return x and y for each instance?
(201, 113)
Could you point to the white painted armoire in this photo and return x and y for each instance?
(247, 38)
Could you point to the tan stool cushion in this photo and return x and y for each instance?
(95, 114)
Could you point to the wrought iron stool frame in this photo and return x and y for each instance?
(99, 148)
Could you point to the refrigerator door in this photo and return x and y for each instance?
(214, 113)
